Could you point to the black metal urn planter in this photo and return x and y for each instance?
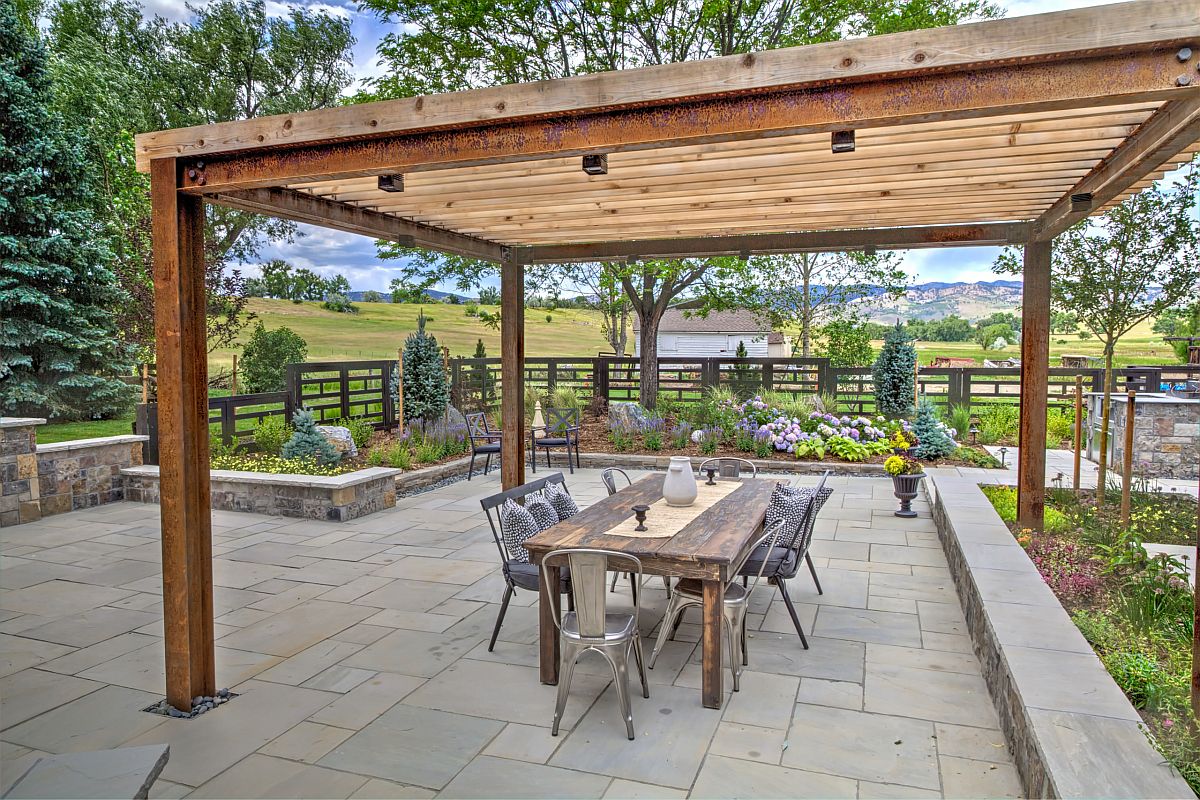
(905, 488)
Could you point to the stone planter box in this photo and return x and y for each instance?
(338, 498)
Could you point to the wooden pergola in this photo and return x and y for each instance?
(994, 133)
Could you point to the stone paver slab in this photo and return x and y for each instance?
(367, 701)
(962, 777)
(928, 694)
(18, 653)
(730, 777)
(307, 742)
(102, 774)
(266, 777)
(489, 777)
(289, 632)
(104, 719)
(25, 694)
(864, 625)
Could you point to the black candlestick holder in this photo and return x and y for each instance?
(640, 513)
(710, 472)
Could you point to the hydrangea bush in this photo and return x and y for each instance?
(851, 438)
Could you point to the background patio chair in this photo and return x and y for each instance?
(562, 430)
(593, 627)
(518, 573)
(782, 562)
(690, 592)
(484, 441)
(728, 467)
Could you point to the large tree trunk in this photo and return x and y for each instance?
(806, 315)
(648, 360)
(1105, 416)
(622, 339)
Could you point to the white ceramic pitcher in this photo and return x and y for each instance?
(679, 485)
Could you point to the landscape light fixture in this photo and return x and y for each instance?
(744, 255)
(596, 164)
(870, 250)
(843, 141)
(391, 183)
(1081, 201)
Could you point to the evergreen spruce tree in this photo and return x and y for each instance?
(894, 374)
(308, 442)
(482, 378)
(426, 391)
(59, 355)
(932, 440)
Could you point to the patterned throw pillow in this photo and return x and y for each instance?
(542, 511)
(788, 504)
(517, 525)
(564, 505)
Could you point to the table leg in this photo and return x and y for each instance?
(549, 607)
(714, 599)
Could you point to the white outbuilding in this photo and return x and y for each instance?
(715, 336)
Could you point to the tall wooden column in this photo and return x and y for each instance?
(1035, 371)
(182, 358)
(512, 372)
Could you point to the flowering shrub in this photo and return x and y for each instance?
(275, 465)
(1066, 566)
(901, 465)
(850, 438)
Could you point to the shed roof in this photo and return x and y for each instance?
(674, 320)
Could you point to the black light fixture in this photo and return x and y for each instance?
(1081, 201)
(744, 255)
(596, 164)
(391, 183)
(843, 141)
(870, 250)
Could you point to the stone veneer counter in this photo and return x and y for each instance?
(338, 498)
(1072, 731)
(1166, 434)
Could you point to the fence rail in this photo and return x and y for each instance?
(367, 389)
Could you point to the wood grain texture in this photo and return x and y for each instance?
(712, 692)
(1035, 366)
(512, 374)
(1037, 37)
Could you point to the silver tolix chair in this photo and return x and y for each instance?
(591, 626)
(728, 467)
(690, 592)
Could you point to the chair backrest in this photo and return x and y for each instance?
(589, 585)
(768, 540)
(477, 425)
(559, 420)
(609, 476)
(804, 533)
(493, 502)
(729, 467)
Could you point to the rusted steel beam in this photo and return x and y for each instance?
(1035, 371)
(1085, 82)
(994, 234)
(301, 207)
(1171, 130)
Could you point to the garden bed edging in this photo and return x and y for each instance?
(1071, 730)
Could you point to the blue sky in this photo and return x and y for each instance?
(332, 253)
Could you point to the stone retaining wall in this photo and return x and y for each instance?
(338, 498)
(1071, 730)
(41, 480)
(1166, 436)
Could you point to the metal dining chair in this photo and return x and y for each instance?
(484, 441)
(561, 430)
(729, 467)
(591, 626)
(690, 592)
(609, 477)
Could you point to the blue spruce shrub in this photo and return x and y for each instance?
(894, 374)
(934, 441)
(426, 390)
(308, 442)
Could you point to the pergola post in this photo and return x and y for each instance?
(512, 371)
(182, 362)
(1035, 370)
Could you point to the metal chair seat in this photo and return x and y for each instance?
(487, 448)
(617, 625)
(694, 589)
(527, 576)
(551, 442)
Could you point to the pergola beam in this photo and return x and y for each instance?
(994, 234)
(307, 208)
(1084, 82)
(1171, 130)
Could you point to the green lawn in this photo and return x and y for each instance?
(65, 431)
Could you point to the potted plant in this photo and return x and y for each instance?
(906, 474)
(904, 442)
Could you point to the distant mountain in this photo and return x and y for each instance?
(357, 296)
(939, 299)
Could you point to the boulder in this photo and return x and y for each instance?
(340, 438)
(629, 415)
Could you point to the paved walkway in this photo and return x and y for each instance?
(360, 654)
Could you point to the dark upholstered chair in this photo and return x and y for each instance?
(518, 573)
(484, 441)
(561, 431)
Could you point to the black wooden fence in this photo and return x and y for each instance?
(334, 390)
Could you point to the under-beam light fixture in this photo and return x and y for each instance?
(596, 164)
(1081, 201)
(843, 141)
(391, 183)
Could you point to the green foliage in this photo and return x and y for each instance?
(266, 356)
(375, 457)
(846, 342)
(360, 430)
(959, 418)
(549, 318)
(272, 433)
(1060, 427)
(1141, 677)
(1004, 500)
(339, 303)
(667, 404)
(894, 374)
(998, 422)
(933, 440)
(653, 437)
(489, 296)
(59, 353)
(565, 397)
(793, 404)
(533, 396)
(471, 310)
(372, 296)
(428, 451)
(399, 456)
(426, 388)
(309, 443)
(977, 458)
(995, 337)
(272, 464)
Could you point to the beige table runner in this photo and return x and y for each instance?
(666, 520)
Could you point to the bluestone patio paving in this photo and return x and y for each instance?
(359, 651)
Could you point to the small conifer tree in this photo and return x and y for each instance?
(308, 442)
(426, 390)
(895, 373)
(933, 441)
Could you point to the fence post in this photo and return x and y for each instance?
(295, 401)
(385, 383)
(344, 391)
(551, 374)
(768, 376)
(228, 430)
(954, 387)
(456, 387)
(600, 379)
(400, 385)
(825, 382)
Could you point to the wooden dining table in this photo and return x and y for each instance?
(704, 549)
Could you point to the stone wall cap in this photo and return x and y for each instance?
(20, 422)
(287, 479)
(80, 444)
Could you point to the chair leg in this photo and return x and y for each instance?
(735, 665)
(471, 467)
(633, 587)
(678, 622)
(533, 457)
(745, 653)
(813, 571)
(508, 593)
(487, 464)
(570, 601)
(620, 664)
(641, 663)
(667, 584)
(787, 601)
(616, 576)
(570, 654)
(673, 609)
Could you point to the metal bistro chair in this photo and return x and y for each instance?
(609, 477)
(690, 592)
(729, 467)
(518, 574)
(591, 626)
(484, 441)
(782, 561)
(562, 430)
